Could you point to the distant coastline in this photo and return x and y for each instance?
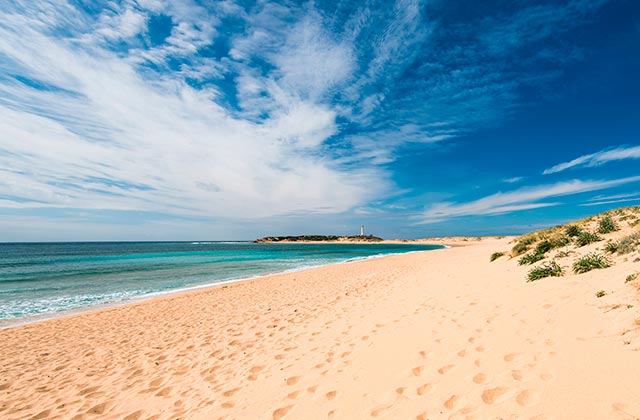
(318, 238)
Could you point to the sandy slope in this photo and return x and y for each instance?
(439, 334)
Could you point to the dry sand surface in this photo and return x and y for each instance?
(433, 335)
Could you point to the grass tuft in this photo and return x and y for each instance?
(611, 247)
(607, 225)
(530, 258)
(550, 269)
(586, 238)
(601, 293)
(560, 242)
(631, 277)
(572, 231)
(543, 247)
(590, 262)
(522, 246)
(629, 243)
(496, 255)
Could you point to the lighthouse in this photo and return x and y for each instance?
(362, 230)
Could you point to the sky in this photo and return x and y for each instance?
(220, 120)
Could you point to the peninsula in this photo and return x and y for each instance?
(319, 238)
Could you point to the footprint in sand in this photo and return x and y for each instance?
(231, 392)
(331, 395)
(422, 389)
(98, 409)
(445, 369)
(489, 396)
(281, 412)
(527, 397)
(293, 380)
(293, 395)
(480, 378)
(510, 357)
(41, 415)
(417, 371)
(134, 416)
(451, 402)
(380, 410)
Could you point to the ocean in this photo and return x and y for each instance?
(40, 279)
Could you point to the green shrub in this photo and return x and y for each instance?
(530, 258)
(607, 225)
(629, 243)
(631, 277)
(586, 238)
(496, 255)
(590, 262)
(543, 247)
(560, 242)
(522, 246)
(572, 230)
(562, 254)
(611, 247)
(550, 269)
(601, 293)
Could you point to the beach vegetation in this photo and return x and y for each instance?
(601, 293)
(611, 247)
(586, 238)
(543, 247)
(559, 242)
(607, 225)
(530, 258)
(523, 245)
(590, 262)
(631, 277)
(628, 244)
(496, 255)
(573, 231)
(550, 269)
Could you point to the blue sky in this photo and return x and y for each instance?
(179, 120)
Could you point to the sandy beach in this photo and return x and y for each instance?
(430, 335)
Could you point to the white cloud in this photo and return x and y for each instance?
(517, 200)
(105, 137)
(598, 158)
(513, 180)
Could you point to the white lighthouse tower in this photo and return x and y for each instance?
(362, 230)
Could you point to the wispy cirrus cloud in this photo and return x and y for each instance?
(597, 159)
(233, 110)
(600, 200)
(525, 198)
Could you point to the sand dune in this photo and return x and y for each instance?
(433, 335)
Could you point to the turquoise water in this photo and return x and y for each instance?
(44, 278)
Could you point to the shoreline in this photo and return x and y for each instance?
(32, 319)
(438, 334)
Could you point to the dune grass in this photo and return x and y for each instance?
(590, 262)
(550, 269)
(586, 238)
(607, 225)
